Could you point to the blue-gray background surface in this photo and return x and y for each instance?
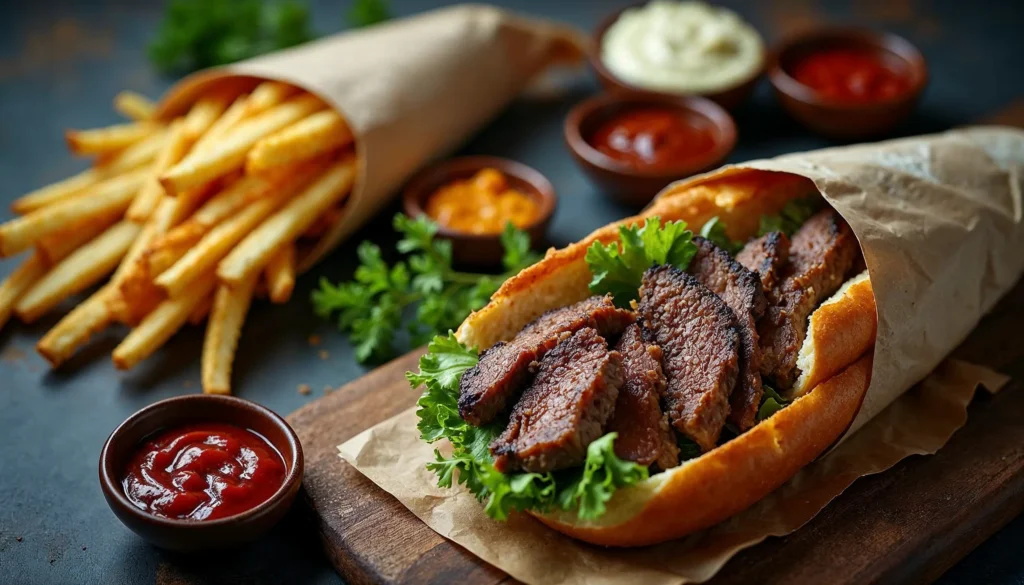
(60, 65)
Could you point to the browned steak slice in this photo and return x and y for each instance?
(741, 290)
(822, 252)
(503, 370)
(564, 409)
(766, 256)
(697, 333)
(644, 434)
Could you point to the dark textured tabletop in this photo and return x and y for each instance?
(60, 65)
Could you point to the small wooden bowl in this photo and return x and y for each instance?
(729, 98)
(632, 186)
(481, 250)
(840, 119)
(197, 536)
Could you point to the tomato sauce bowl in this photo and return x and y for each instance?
(201, 472)
(633, 145)
(847, 83)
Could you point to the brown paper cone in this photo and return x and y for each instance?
(412, 90)
(939, 219)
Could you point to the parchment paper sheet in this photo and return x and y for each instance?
(412, 89)
(939, 218)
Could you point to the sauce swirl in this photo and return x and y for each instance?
(851, 75)
(654, 138)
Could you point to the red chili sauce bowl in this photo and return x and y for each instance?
(848, 83)
(201, 472)
(633, 146)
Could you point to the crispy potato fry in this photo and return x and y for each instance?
(80, 270)
(234, 114)
(109, 198)
(254, 252)
(280, 274)
(174, 149)
(109, 139)
(56, 191)
(75, 329)
(267, 95)
(203, 114)
(133, 105)
(229, 151)
(136, 155)
(202, 311)
(225, 327)
(316, 134)
(160, 324)
(217, 243)
(18, 283)
(56, 247)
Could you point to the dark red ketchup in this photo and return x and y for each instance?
(852, 75)
(654, 138)
(203, 471)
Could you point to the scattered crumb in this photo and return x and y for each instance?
(314, 340)
(18, 538)
(83, 547)
(189, 383)
(323, 354)
(304, 389)
(328, 389)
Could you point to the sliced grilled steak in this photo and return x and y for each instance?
(822, 252)
(504, 369)
(564, 409)
(766, 255)
(697, 333)
(644, 434)
(741, 290)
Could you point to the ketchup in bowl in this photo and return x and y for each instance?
(852, 75)
(203, 471)
(654, 137)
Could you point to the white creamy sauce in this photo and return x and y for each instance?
(682, 47)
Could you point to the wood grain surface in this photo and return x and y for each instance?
(907, 525)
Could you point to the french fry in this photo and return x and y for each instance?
(280, 274)
(160, 324)
(202, 311)
(18, 283)
(109, 139)
(310, 136)
(56, 247)
(203, 114)
(229, 151)
(109, 198)
(81, 269)
(129, 159)
(225, 327)
(254, 252)
(75, 329)
(174, 149)
(234, 114)
(267, 95)
(133, 105)
(217, 243)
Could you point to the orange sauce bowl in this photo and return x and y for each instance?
(482, 250)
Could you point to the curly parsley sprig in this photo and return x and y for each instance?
(371, 308)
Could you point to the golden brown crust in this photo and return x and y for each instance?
(679, 501)
(741, 472)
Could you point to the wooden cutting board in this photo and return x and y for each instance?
(909, 524)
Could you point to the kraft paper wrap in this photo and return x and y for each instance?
(411, 90)
(939, 219)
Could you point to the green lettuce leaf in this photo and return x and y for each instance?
(771, 402)
(714, 231)
(792, 216)
(585, 489)
(618, 267)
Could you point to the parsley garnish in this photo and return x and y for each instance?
(790, 218)
(618, 267)
(368, 12)
(201, 33)
(371, 307)
(586, 489)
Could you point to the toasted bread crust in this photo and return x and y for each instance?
(679, 501)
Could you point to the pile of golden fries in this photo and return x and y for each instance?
(194, 216)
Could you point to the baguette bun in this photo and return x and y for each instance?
(835, 361)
